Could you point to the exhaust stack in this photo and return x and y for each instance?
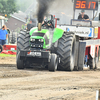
(39, 26)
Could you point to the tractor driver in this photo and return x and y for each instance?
(83, 16)
(47, 22)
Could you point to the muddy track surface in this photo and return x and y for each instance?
(40, 84)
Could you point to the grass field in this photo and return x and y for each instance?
(7, 55)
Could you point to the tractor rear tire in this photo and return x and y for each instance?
(20, 64)
(52, 66)
(21, 40)
(66, 51)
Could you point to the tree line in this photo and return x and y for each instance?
(8, 7)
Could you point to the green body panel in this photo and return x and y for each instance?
(33, 30)
(56, 35)
(36, 30)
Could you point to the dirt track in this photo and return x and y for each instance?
(40, 84)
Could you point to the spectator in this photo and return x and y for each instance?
(3, 35)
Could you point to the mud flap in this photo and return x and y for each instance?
(81, 55)
(76, 54)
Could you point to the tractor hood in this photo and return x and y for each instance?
(45, 35)
(42, 36)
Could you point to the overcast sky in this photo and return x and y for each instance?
(64, 10)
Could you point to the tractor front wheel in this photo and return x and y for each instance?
(53, 63)
(20, 64)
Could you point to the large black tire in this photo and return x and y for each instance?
(21, 40)
(26, 43)
(52, 66)
(20, 45)
(66, 51)
(20, 64)
(92, 62)
(1, 48)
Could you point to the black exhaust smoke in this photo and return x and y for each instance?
(42, 9)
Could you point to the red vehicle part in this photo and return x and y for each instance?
(98, 33)
(10, 47)
(88, 50)
(96, 46)
(8, 52)
(55, 22)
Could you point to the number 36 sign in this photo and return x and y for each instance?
(86, 4)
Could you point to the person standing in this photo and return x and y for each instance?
(3, 35)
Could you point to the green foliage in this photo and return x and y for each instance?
(17, 30)
(23, 27)
(11, 6)
(23, 4)
(7, 7)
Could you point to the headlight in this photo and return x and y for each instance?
(32, 40)
(41, 40)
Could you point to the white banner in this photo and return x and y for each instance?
(80, 31)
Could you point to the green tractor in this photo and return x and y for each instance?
(46, 46)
